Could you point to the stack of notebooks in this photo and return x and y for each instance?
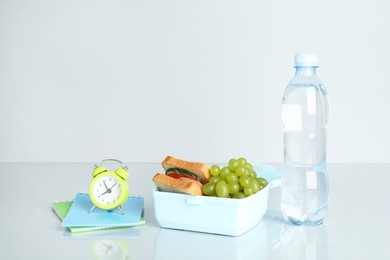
(75, 216)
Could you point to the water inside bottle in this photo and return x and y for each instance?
(305, 188)
(305, 194)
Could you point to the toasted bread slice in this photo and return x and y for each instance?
(169, 184)
(200, 169)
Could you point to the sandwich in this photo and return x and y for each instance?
(182, 176)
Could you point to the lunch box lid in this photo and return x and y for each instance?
(268, 172)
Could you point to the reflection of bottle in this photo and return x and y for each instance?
(304, 242)
(305, 111)
(109, 249)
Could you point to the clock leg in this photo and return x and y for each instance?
(121, 210)
(93, 207)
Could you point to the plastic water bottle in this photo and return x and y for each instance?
(305, 112)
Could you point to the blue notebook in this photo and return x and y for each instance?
(79, 216)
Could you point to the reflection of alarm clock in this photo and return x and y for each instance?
(109, 249)
(109, 190)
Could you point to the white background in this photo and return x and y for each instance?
(201, 80)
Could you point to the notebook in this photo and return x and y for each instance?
(61, 208)
(76, 217)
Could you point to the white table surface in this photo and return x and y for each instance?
(357, 226)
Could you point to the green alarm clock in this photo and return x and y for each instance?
(109, 190)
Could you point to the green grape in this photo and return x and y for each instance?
(249, 190)
(222, 189)
(263, 182)
(254, 174)
(255, 185)
(240, 171)
(231, 177)
(209, 189)
(214, 170)
(248, 165)
(233, 163)
(224, 171)
(215, 179)
(237, 180)
(248, 172)
(234, 187)
(244, 181)
(239, 195)
(242, 161)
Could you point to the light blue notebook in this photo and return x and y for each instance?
(79, 216)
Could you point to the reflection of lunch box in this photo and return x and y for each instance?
(254, 244)
(224, 216)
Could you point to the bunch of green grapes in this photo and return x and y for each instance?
(237, 180)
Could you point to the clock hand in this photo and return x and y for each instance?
(105, 185)
(107, 191)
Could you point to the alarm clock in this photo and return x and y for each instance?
(109, 190)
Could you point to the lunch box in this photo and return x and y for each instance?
(224, 216)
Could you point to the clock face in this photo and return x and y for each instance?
(106, 190)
